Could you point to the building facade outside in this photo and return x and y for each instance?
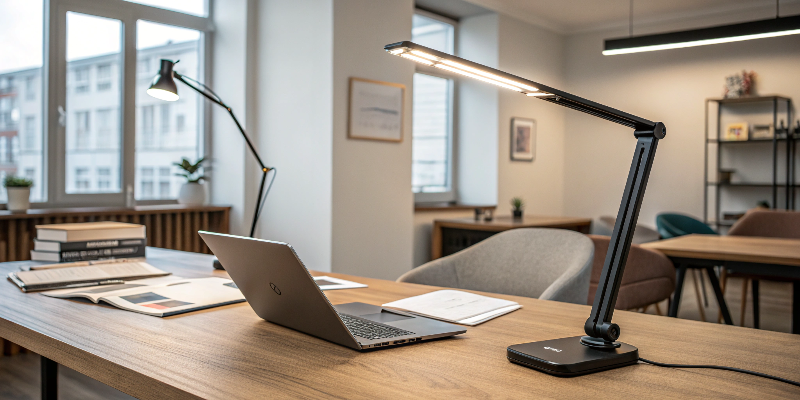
(165, 131)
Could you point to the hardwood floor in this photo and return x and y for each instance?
(19, 380)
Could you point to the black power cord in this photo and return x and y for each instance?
(744, 371)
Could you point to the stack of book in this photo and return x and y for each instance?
(88, 241)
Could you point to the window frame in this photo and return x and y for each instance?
(55, 87)
(452, 146)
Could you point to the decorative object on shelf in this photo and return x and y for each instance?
(732, 216)
(523, 139)
(518, 205)
(762, 132)
(192, 192)
(725, 175)
(782, 132)
(478, 214)
(19, 192)
(763, 204)
(736, 132)
(740, 85)
(487, 214)
(796, 129)
(376, 110)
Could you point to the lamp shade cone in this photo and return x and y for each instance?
(163, 86)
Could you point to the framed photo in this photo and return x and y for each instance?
(376, 110)
(523, 139)
(762, 132)
(736, 132)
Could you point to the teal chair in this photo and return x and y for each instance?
(673, 225)
(670, 225)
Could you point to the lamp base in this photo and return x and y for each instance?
(570, 357)
(217, 264)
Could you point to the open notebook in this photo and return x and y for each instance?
(160, 297)
(455, 306)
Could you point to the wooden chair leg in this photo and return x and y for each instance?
(723, 282)
(700, 307)
(658, 310)
(745, 283)
(644, 309)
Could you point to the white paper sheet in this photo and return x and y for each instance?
(455, 306)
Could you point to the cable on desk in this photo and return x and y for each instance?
(744, 371)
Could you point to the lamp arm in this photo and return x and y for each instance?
(599, 327)
(218, 101)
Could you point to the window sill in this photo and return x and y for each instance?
(450, 206)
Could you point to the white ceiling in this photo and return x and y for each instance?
(577, 16)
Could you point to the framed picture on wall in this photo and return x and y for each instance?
(376, 110)
(523, 139)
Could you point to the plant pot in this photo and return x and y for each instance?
(19, 198)
(517, 214)
(192, 193)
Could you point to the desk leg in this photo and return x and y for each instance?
(723, 306)
(756, 316)
(796, 307)
(680, 275)
(49, 379)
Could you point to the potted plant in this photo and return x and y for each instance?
(19, 192)
(192, 192)
(518, 205)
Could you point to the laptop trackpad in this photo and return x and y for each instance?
(384, 317)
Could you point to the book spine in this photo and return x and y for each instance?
(101, 244)
(101, 254)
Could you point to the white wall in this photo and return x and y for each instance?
(669, 86)
(536, 54)
(294, 88)
(372, 207)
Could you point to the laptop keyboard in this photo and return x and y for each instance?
(371, 330)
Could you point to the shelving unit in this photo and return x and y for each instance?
(782, 189)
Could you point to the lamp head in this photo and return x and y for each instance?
(163, 86)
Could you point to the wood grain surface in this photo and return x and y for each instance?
(228, 352)
(506, 223)
(731, 248)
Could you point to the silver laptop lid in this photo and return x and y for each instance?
(278, 286)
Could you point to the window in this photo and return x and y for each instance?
(90, 99)
(82, 130)
(82, 179)
(29, 133)
(432, 167)
(164, 118)
(103, 77)
(103, 179)
(30, 88)
(81, 76)
(180, 123)
(105, 129)
(4, 150)
(21, 61)
(154, 42)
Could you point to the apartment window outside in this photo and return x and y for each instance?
(82, 178)
(82, 132)
(147, 183)
(104, 179)
(30, 173)
(103, 77)
(29, 133)
(165, 109)
(4, 150)
(81, 75)
(105, 128)
(164, 183)
(180, 123)
(432, 168)
(30, 88)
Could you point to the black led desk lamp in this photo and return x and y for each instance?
(599, 350)
(164, 88)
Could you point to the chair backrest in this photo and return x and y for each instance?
(550, 264)
(649, 275)
(672, 225)
(768, 223)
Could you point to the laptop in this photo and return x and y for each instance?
(279, 288)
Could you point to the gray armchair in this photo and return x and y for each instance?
(549, 264)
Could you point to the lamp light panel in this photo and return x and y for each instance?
(475, 76)
(696, 43)
(488, 75)
(417, 59)
(163, 94)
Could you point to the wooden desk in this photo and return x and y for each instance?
(228, 352)
(779, 258)
(453, 235)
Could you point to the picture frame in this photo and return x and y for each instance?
(736, 132)
(376, 110)
(523, 139)
(762, 132)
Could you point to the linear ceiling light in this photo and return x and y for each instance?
(772, 27)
